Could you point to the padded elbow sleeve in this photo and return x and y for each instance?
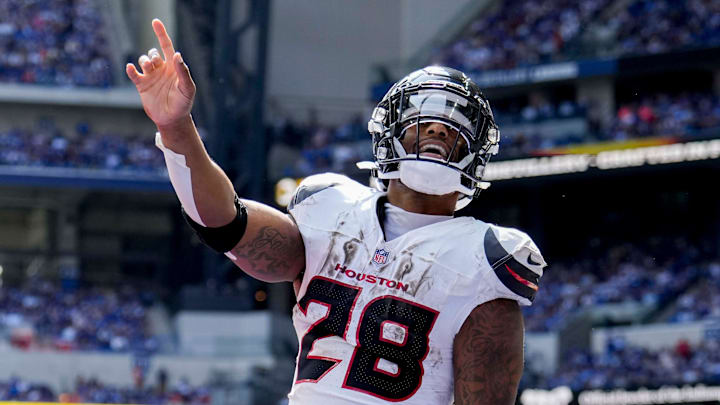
(222, 239)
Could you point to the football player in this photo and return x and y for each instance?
(398, 300)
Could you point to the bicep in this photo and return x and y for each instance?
(271, 248)
(488, 354)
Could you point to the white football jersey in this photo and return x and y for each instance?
(376, 319)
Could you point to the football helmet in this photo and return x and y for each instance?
(433, 94)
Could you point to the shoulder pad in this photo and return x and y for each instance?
(316, 183)
(515, 259)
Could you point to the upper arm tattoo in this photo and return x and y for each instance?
(269, 255)
(488, 355)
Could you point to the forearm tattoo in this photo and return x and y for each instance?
(269, 255)
(488, 355)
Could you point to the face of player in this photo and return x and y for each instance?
(437, 141)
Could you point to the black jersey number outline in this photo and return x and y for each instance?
(364, 373)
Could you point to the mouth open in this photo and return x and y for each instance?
(433, 150)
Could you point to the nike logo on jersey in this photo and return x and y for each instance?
(533, 262)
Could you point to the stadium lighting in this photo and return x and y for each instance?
(284, 190)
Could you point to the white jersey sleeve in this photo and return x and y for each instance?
(330, 190)
(499, 263)
(515, 262)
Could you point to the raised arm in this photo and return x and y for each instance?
(271, 247)
(488, 355)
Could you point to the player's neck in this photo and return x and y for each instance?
(410, 200)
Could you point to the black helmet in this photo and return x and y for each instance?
(434, 94)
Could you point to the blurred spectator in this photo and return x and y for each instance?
(53, 42)
(683, 115)
(93, 390)
(302, 150)
(652, 26)
(16, 389)
(630, 367)
(517, 32)
(82, 319)
(702, 301)
(663, 115)
(622, 273)
(47, 146)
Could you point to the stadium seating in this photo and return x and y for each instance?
(17, 389)
(632, 367)
(628, 273)
(651, 27)
(95, 391)
(53, 42)
(43, 315)
(701, 301)
(516, 33)
(52, 148)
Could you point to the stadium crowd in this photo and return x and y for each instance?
(94, 391)
(17, 389)
(701, 302)
(518, 33)
(301, 150)
(646, 26)
(48, 147)
(684, 115)
(663, 115)
(43, 314)
(622, 273)
(53, 42)
(623, 366)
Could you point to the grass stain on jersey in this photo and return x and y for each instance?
(350, 248)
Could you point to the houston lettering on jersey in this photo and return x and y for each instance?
(369, 278)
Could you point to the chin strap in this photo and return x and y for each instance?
(377, 182)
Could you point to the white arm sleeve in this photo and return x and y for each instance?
(180, 178)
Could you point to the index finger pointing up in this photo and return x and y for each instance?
(164, 38)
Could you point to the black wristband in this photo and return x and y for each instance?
(222, 239)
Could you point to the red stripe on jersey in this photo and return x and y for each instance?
(520, 279)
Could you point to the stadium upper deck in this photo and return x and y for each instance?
(519, 32)
(53, 42)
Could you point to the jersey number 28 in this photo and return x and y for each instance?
(383, 366)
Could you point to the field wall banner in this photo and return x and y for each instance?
(668, 395)
(49, 403)
(544, 73)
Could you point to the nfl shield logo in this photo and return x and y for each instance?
(381, 256)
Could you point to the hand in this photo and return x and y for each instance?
(165, 86)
